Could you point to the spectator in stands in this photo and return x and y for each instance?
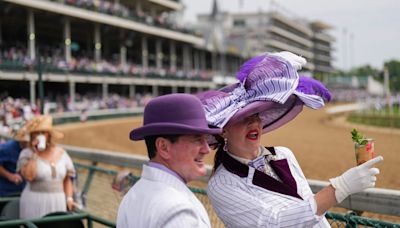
(10, 181)
(18, 58)
(254, 186)
(176, 144)
(4, 128)
(83, 116)
(48, 170)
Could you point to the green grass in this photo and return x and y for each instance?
(382, 118)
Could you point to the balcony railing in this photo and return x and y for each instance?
(122, 11)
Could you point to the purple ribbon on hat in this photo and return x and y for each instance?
(268, 77)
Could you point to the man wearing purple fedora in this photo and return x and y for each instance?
(175, 131)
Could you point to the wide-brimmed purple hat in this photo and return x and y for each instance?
(173, 114)
(270, 86)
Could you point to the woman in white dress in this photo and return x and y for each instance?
(48, 170)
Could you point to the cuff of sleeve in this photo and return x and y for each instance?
(340, 195)
(71, 173)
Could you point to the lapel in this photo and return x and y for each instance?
(287, 186)
(281, 168)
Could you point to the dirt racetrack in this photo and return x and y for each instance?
(321, 144)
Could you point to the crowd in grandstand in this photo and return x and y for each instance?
(15, 109)
(348, 95)
(118, 9)
(55, 61)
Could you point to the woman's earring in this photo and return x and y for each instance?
(225, 148)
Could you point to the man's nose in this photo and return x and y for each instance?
(205, 148)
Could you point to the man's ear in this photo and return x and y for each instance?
(163, 148)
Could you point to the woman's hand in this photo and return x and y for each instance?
(34, 146)
(356, 179)
(71, 205)
(15, 178)
(29, 170)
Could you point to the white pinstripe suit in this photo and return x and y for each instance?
(160, 199)
(249, 199)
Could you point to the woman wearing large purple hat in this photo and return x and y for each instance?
(255, 186)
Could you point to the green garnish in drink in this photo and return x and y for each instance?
(358, 138)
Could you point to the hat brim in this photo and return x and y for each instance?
(57, 134)
(273, 115)
(21, 138)
(170, 129)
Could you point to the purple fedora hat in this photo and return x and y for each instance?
(270, 86)
(173, 114)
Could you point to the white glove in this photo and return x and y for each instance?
(355, 179)
(296, 61)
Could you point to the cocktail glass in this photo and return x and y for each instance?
(364, 152)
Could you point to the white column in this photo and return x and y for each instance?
(72, 93)
(32, 91)
(159, 54)
(386, 86)
(105, 90)
(185, 58)
(145, 53)
(172, 54)
(132, 91)
(223, 64)
(138, 6)
(189, 57)
(196, 59)
(213, 61)
(153, 12)
(155, 90)
(31, 35)
(67, 39)
(97, 43)
(187, 89)
(122, 53)
(203, 60)
(1, 34)
(174, 89)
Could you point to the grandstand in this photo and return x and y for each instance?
(101, 47)
(278, 29)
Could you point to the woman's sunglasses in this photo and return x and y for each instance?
(212, 142)
(213, 146)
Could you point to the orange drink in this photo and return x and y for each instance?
(364, 152)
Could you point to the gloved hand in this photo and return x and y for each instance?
(355, 179)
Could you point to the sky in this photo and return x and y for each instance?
(366, 31)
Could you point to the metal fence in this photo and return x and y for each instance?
(105, 176)
(102, 201)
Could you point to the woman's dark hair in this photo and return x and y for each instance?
(218, 154)
(151, 143)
